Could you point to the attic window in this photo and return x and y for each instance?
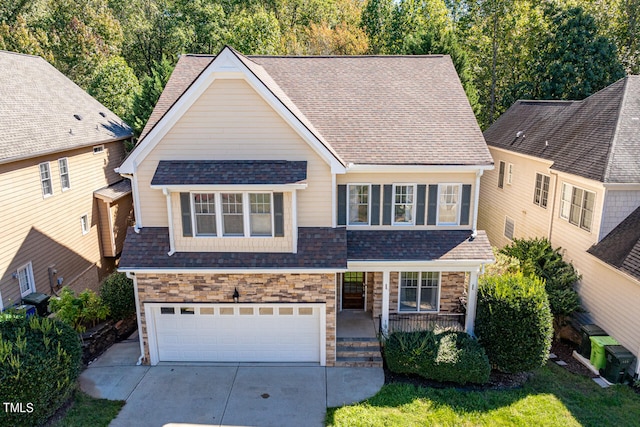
(98, 149)
(102, 114)
(77, 116)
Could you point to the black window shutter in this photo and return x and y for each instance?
(185, 208)
(342, 205)
(466, 204)
(375, 205)
(432, 206)
(420, 206)
(278, 215)
(387, 205)
(501, 175)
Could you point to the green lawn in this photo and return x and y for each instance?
(87, 411)
(553, 397)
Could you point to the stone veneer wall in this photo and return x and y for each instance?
(452, 287)
(253, 288)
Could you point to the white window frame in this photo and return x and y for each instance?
(509, 173)
(42, 180)
(85, 226)
(61, 161)
(419, 293)
(567, 205)
(28, 269)
(243, 213)
(413, 205)
(349, 204)
(535, 190)
(98, 149)
(246, 214)
(458, 204)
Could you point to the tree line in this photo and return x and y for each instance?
(123, 51)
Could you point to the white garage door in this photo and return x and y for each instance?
(235, 332)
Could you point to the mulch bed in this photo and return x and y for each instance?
(498, 380)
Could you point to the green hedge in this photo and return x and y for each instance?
(446, 356)
(117, 294)
(513, 322)
(39, 365)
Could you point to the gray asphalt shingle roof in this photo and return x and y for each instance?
(232, 172)
(366, 109)
(621, 247)
(597, 138)
(37, 108)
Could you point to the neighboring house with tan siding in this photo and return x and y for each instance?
(570, 171)
(302, 187)
(58, 146)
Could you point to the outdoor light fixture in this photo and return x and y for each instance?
(236, 295)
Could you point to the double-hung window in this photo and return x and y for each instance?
(45, 179)
(232, 214)
(449, 204)
(403, 204)
(260, 218)
(576, 206)
(501, 174)
(63, 166)
(359, 204)
(419, 291)
(204, 205)
(541, 192)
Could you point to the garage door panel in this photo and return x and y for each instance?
(237, 333)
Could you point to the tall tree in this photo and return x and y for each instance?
(145, 100)
(114, 84)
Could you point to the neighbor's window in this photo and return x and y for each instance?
(509, 173)
(403, 200)
(84, 223)
(509, 228)
(576, 206)
(260, 216)
(45, 179)
(541, 193)
(358, 204)
(232, 216)
(64, 173)
(25, 279)
(419, 291)
(204, 208)
(448, 204)
(98, 149)
(501, 175)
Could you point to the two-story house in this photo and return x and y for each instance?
(63, 210)
(570, 171)
(273, 193)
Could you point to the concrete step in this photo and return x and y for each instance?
(359, 362)
(358, 352)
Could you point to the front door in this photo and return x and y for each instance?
(353, 290)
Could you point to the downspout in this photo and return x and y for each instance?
(172, 247)
(476, 203)
(136, 202)
(132, 276)
(334, 201)
(294, 220)
(553, 204)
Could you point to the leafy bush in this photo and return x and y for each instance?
(538, 257)
(446, 356)
(514, 322)
(118, 295)
(83, 311)
(39, 365)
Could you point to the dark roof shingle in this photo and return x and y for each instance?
(369, 109)
(229, 172)
(621, 247)
(596, 138)
(318, 248)
(417, 245)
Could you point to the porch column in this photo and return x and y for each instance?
(472, 298)
(385, 302)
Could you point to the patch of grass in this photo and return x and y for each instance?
(553, 397)
(88, 411)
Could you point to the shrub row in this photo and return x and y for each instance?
(39, 365)
(445, 356)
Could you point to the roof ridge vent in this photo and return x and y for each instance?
(77, 116)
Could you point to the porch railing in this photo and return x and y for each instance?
(423, 322)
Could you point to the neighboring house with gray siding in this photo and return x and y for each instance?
(64, 210)
(570, 171)
(274, 193)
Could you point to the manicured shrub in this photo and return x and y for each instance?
(446, 356)
(514, 322)
(39, 365)
(117, 294)
(85, 310)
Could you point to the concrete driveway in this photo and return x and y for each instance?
(224, 394)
